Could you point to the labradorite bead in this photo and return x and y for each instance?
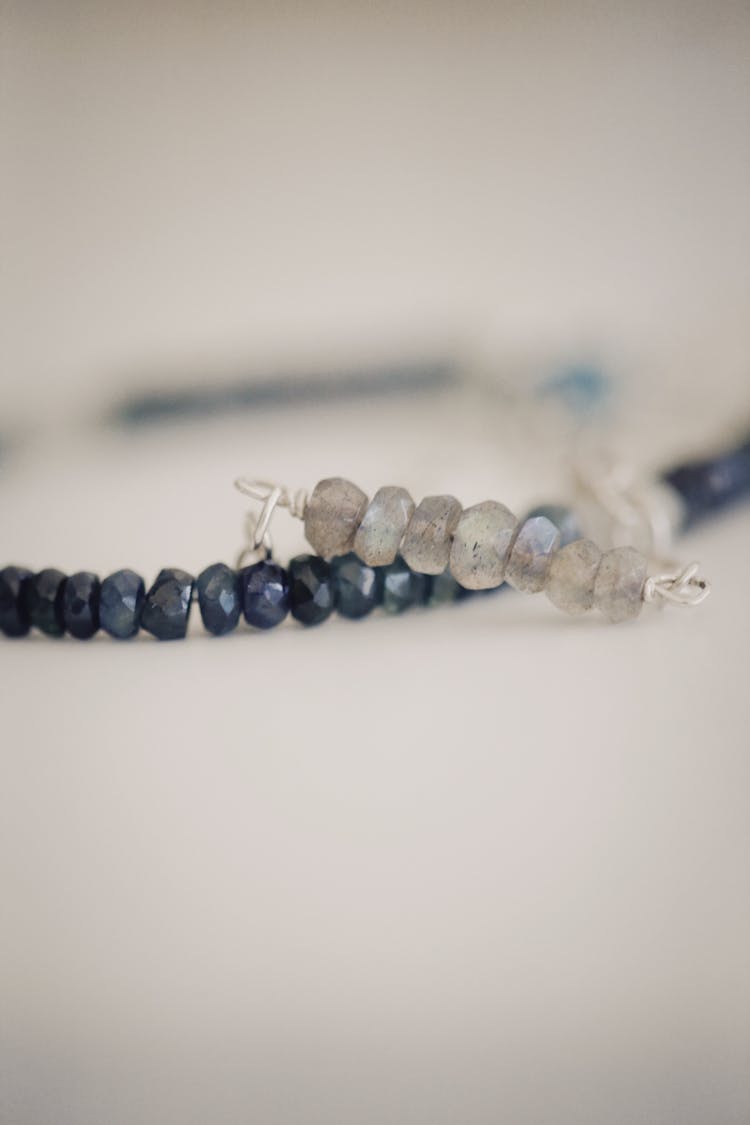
(564, 519)
(167, 606)
(45, 601)
(14, 609)
(530, 556)
(312, 595)
(572, 573)
(427, 543)
(403, 587)
(265, 594)
(358, 586)
(480, 545)
(219, 598)
(619, 584)
(81, 604)
(333, 515)
(121, 601)
(382, 528)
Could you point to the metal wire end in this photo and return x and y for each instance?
(684, 589)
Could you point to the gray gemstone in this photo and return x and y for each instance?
(531, 554)
(619, 584)
(379, 536)
(572, 573)
(564, 519)
(333, 514)
(427, 543)
(480, 545)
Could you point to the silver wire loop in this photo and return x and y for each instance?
(684, 589)
(259, 545)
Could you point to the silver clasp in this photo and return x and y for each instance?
(684, 589)
(259, 545)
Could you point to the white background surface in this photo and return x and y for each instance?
(474, 865)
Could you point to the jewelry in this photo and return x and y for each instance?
(388, 552)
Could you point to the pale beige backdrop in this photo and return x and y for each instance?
(459, 868)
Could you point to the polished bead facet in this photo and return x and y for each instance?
(81, 604)
(265, 594)
(219, 598)
(45, 601)
(564, 519)
(619, 582)
(333, 515)
(402, 587)
(530, 556)
(167, 606)
(358, 586)
(14, 609)
(480, 545)
(383, 525)
(572, 573)
(442, 589)
(311, 591)
(427, 543)
(121, 601)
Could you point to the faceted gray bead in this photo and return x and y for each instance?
(333, 514)
(380, 533)
(531, 554)
(619, 584)
(572, 573)
(480, 545)
(427, 542)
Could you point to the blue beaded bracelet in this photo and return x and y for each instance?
(387, 553)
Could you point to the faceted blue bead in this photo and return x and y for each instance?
(14, 609)
(219, 598)
(45, 601)
(709, 485)
(442, 589)
(120, 604)
(167, 606)
(265, 594)
(81, 604)
(358, 586)
(311, 591)
(403, 587)
(564, 519)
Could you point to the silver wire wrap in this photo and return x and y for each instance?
(684, 589)
(259, 544)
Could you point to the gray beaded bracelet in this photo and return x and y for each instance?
(482, 547)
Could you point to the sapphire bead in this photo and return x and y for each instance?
(403, 587)
(358, 586)
(120, 604)
(443, 589)
(265, 594)
(311, 591)
(81, 605)
(219, 598)
(45, 601)
(167, 606)
(14, 610)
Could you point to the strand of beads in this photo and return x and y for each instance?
(482, 546)
(264, 594)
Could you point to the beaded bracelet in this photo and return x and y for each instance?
(388, 553)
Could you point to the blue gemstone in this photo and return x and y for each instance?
(81, 605)
(712, 484)
(564, 519)
(265, 594)
(45, 601)
(120, 604)
(14, 609)
(442, 589)
(311, 591)
(219, 598)
(358, 586)
(167, 606)
(403, 587)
